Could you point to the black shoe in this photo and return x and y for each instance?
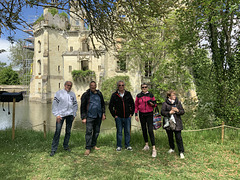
(52, 153)
(67, 149)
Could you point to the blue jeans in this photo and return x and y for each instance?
(92, 131)
(55, 142)
(120, 124)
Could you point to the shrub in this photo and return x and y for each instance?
(80, 74)
(41, 18)
(63, 14)
(109, 86)
(53, 11)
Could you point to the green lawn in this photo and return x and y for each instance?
(27, 157)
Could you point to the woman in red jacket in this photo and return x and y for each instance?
(145, 103)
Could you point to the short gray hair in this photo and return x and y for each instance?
(121, 82)
(68, 82)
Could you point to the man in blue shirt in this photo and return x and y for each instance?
(92, 114)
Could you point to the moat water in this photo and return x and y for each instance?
(31, 115)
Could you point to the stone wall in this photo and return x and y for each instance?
(14, 88)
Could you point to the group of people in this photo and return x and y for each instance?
(122, 107)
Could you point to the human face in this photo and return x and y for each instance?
(144, 88)
(93, 87)
(172, 96)
(120, 86)
(68, 86)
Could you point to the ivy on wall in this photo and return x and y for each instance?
(53, 11)
(79, 75)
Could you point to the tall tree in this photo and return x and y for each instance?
(147, 37)
(213, 25)
(20, 55)
(8, 76)
(2, 65)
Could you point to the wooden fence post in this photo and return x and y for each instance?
(222, 131)
(13, 119)
(44, 129)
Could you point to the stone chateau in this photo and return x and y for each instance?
(59, 49)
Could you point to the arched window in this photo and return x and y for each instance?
(39, 46)
(39, 69)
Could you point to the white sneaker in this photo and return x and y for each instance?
(146, 148)
(170, 151)
(129, 148)
(182, 156)
(119, 149)
(154, 153)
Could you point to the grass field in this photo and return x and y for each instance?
(27, 157)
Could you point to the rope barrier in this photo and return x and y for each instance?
(195, 130)
(232, 127)
(211, 128)
(190, 130)
(38, 125)
(50, 125)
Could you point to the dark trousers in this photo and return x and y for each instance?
(146, 120)
(92, 131)
(55, 142)
(178, 138)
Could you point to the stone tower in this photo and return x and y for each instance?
(48, 47)
(63, 45)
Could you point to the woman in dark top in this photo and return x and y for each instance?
(172, 110)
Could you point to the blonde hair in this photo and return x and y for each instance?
(170, 92)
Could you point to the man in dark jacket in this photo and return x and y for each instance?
(172, 109)
(92, 114)
(122, 108)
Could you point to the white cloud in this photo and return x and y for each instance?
(4, 44)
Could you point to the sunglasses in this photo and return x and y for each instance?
(144, 87)
(69, 85)
(121, 85)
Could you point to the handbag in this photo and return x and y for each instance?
(169, 124)
(172, 125)
(157, 121)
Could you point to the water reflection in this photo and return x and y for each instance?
(30, 115)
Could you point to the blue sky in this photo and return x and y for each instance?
(30, 15)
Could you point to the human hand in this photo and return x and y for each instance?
(116, 117)
(137, 118)
(84, 121)
(58, 119)
(103, 117)
(175, 109)
(151, 104)
(172, 112)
